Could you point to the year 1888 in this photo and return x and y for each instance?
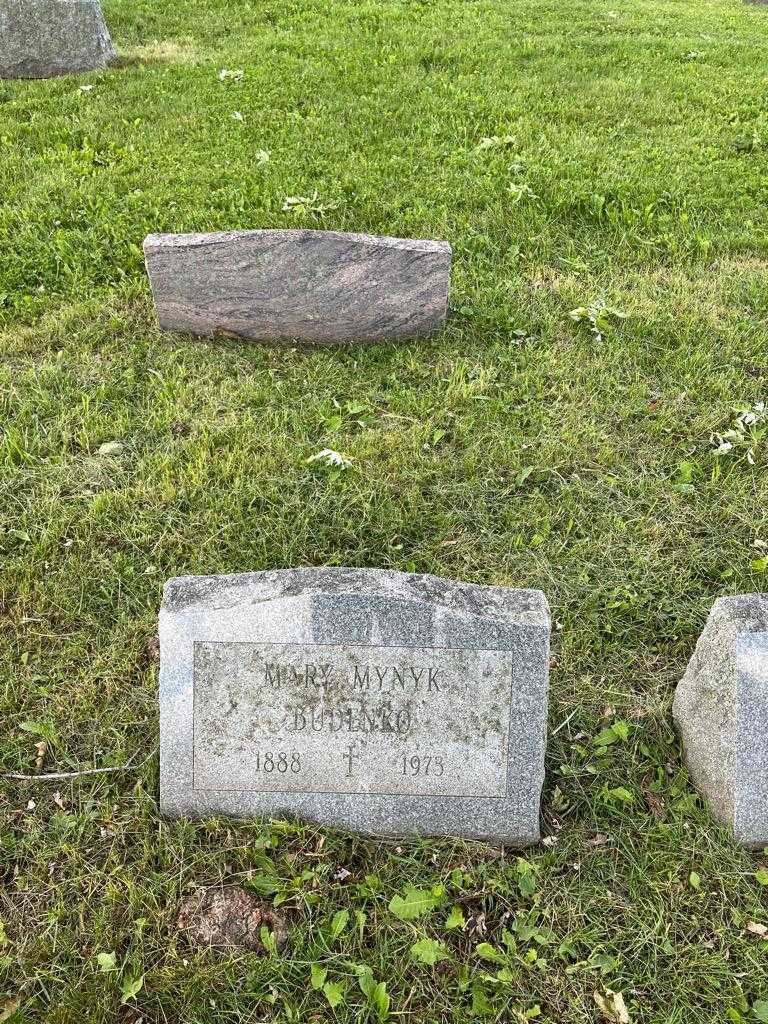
(281, 761)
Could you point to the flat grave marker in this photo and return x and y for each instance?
(383, 702)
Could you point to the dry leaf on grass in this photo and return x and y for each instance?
(8, 1007)
(598, 839)
(612, 1006)
(755, 928)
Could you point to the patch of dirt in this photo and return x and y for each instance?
(229, 919)
(150, 654)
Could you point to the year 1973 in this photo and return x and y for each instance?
(422, 764)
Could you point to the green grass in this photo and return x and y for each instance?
(516, 448)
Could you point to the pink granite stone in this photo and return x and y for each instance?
(302, 285)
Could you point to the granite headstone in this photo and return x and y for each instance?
(382, 702)
(298, 285)
(721, 712)
(45, 38)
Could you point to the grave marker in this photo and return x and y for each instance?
(45, 38)
(721, 712)
(310, 286)
(378, 701)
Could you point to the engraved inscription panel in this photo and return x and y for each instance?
(307, 718)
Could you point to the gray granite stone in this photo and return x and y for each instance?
(721, 711)
(45, 38)
(313, 286)
(377, 701)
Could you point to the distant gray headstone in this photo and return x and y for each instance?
(377, 701)
(721, 711)
(313, 286)
(44, 38)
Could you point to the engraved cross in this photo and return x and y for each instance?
(349, 757)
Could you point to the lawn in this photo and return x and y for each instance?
(603, 156)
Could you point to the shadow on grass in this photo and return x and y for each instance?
(156, 55)
(122, 63)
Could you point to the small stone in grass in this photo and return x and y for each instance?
(229, 919)
(110, 448)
